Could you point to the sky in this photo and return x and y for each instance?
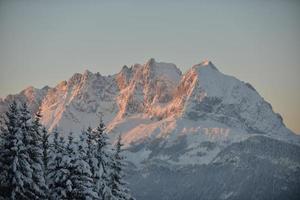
(257, 41)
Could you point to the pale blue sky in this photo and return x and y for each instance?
(44, 42)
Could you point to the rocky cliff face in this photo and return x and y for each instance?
(203, 121)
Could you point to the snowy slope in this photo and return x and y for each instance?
(79, 102)
(169, 120)
(156, 100)
(32, 96)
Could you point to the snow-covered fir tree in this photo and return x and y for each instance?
(80, 183)
(15, 170)
(58, 172)
(103, 156)
(91, 150)
(46, 151)
(117, 184)
(88, 188)
(71, 154)
(45, 158)
(35, 149)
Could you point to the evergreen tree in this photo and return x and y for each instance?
(81, 184)
(15, 170)
(71, 154)
(46, 151)
(58, 172)
(103, 157)
(92, 157)
(54, 160)
(90, 140)
(45, 158)
(117, 184)
(35, 149)
(88, 187)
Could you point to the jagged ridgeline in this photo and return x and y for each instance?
(197, 135)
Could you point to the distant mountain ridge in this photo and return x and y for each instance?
(155, 88)
(169, 121)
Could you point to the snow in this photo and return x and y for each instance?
(137, 158)
(155, 102)
(167, 71)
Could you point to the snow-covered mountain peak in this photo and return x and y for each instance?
(87, 73)
(79, 77)
(161, 72)
(46, 88)
(32, 96)
(215, 96)
(163, 69)
(150, 62)
(32, 93)
(173, 123)
(145, 88)
(125, 68)
(155, 94)
(75, 79)
(205, 64)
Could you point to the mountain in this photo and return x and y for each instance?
(198, 135)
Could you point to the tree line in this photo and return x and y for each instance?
(35, 164)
